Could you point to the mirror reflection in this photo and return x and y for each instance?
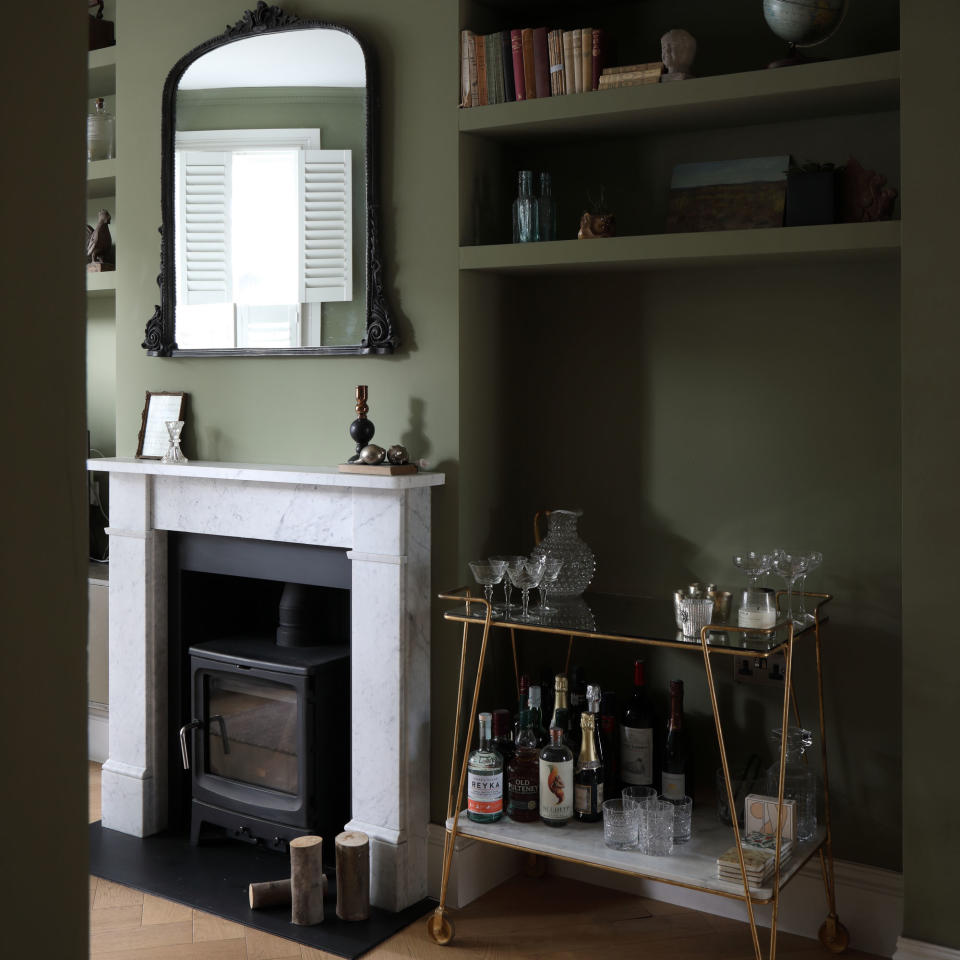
(270, 194)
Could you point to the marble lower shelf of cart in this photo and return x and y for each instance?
(692, 864)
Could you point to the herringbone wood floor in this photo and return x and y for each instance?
(524, 919)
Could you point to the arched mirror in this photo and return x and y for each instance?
(269, 243)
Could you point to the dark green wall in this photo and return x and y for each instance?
(930, 343)
(43, 884)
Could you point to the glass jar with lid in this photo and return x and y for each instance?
(101, 133)
(800, 782)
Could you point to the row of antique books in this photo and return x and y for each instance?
(528, 63)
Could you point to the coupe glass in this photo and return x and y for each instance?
(789, 566)
(508, 561)
(551, 570)
(814, 559)
(754, 564)
(488, 573)
(526, 575)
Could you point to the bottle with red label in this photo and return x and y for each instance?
(484, 777)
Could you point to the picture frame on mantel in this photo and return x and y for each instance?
(158, 408)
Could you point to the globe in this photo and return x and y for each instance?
(804, 22)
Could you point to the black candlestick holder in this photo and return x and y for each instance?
(362, 429)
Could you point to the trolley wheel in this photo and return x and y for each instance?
(834, 935)
(534, 866)
(440, 927)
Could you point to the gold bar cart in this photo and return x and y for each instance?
(643, 622)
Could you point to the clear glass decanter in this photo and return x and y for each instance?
(800, 782)
(526, 226)
(174, 454)
(547, 209)
(563, 543)
(100, 133)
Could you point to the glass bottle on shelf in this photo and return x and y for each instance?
(526, 225)
(636, 734)
(521, 704)
(484, 777)
(556, 781)
(523, 774)
(588, 776)
(547, 209)
(800, 782)
(674, 780)
(609, 744)
(534, 695)
(100, 133)
(503, 743)
(560, 700)
(592, 705)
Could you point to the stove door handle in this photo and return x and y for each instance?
(183, 741)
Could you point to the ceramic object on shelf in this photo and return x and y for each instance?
(562, 542)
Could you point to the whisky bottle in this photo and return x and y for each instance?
(636, 735)
(484, 777)
(521, 704)
(503, 744)
(523, 774)
(536, 714)
(556, 781)
(588, 777)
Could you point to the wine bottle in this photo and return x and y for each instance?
(484, 777)
(521, 704)
(636, 735)
(536, 714)
(523, 774)
(556, 781)
(503, 743)
(588, 776)
(578, 703)
(674, 772)
(610, 744)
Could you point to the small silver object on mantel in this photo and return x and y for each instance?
(372, 454)
(398, 454)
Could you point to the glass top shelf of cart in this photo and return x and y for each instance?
(631, 620)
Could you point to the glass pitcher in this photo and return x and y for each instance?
(800, 782)
(563, 543)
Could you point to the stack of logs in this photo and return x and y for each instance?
(305, 889)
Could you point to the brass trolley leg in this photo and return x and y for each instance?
(439, 925)
(833, 934)
(730, 801)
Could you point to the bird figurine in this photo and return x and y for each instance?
(99, 242)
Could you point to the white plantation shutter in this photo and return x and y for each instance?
(327, 235)
(204, 201)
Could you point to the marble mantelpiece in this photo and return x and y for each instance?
(384, 524)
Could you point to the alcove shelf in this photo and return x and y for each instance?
(102, 284)
(855, 85)
(102, 72)
(101, 179)
(836, 241)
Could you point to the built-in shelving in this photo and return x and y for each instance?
(101, 178)
(848, 241)
(692, 864)
(102, 284)
(867, 84)
(102, 72)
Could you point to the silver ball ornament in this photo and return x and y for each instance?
(398, 454)
(371, 454)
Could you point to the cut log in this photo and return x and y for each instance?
(353, 875)
(306, 881)
(273, 893)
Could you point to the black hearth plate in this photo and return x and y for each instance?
(213, 877)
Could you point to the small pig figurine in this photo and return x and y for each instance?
(597, 225)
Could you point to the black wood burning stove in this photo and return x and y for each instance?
(259, 674)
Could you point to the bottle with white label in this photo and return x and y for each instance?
(556, 781)
(674, 773)
(636, 735)
(484, 777)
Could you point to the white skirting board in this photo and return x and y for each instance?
(869, 899)
(919, 950)
(98, 732)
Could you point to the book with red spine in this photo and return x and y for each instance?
(586, 54)
(529, 70)
(541, 61)
(516, 49)
(465, 68)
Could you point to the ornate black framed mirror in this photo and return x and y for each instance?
(269, 195)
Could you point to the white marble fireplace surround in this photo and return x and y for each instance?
(384, 523)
